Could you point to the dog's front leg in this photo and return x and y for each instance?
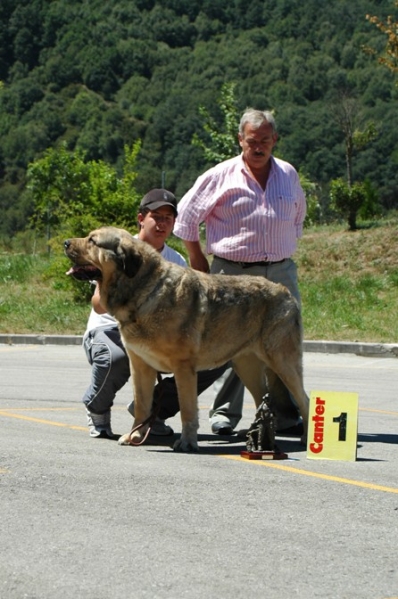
(186, 380)
(144, 378)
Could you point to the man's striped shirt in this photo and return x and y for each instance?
(244, 223)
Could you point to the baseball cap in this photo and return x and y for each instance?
(158, 197)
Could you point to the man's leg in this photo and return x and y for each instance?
(226, 410)
(165, 397)
(227, 407)
(110, 372)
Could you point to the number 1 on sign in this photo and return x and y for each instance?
(333, 426)
(342, 419)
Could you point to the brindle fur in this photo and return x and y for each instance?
(175, 319)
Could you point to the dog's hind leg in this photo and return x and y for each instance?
(260, 378)
(143, 378)
(186, 380)
(251, 371)
(289, 370)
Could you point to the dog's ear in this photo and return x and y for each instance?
(121, 244)
(129, 259)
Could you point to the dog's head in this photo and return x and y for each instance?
(94, 257)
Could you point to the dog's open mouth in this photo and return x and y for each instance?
(87, 272)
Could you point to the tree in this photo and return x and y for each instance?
(72, 196)
(223, 143)
(347, 199)
(348, 116)
(390, 28)
(150, 68)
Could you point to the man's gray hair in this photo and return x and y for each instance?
(256, 118)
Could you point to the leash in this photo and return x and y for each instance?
(151, 419)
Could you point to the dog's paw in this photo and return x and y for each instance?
(188, 442)
(124, 439)
(132, 438)
(184, 446)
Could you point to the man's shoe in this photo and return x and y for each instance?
(158, 428)
(292, 431)
(99, 425)
(221, 428)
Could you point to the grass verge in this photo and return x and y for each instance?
(348, 283)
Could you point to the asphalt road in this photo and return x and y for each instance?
(88, 519)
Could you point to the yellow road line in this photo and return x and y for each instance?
(201, 407)
(45, 409)
(269, 464)
(42, 421)
(8, 346)
(378, 411)
(338, 479)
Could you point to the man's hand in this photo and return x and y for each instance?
(197, 259)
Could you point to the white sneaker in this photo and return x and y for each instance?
(99, 425)
(158, 428)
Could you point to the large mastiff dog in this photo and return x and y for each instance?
(179, 320)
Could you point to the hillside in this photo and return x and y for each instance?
(369, 251)
(99, 75)
(349, 282)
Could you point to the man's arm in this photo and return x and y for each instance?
(197, 259)
(96, 301)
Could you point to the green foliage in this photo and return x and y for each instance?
(99, 76)
(347, 200)
(17, 268)
(221, 141)
(361, 138)
(370, 208)
(72, 196)
(55, 276)
(314, 209)
(358, 132)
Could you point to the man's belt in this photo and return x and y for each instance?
(250, 264)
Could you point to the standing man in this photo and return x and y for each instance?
(254, 208)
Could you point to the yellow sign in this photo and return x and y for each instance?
(333, 426)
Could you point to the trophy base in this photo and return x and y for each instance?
(263, 455)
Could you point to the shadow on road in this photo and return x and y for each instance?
(378, 438)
